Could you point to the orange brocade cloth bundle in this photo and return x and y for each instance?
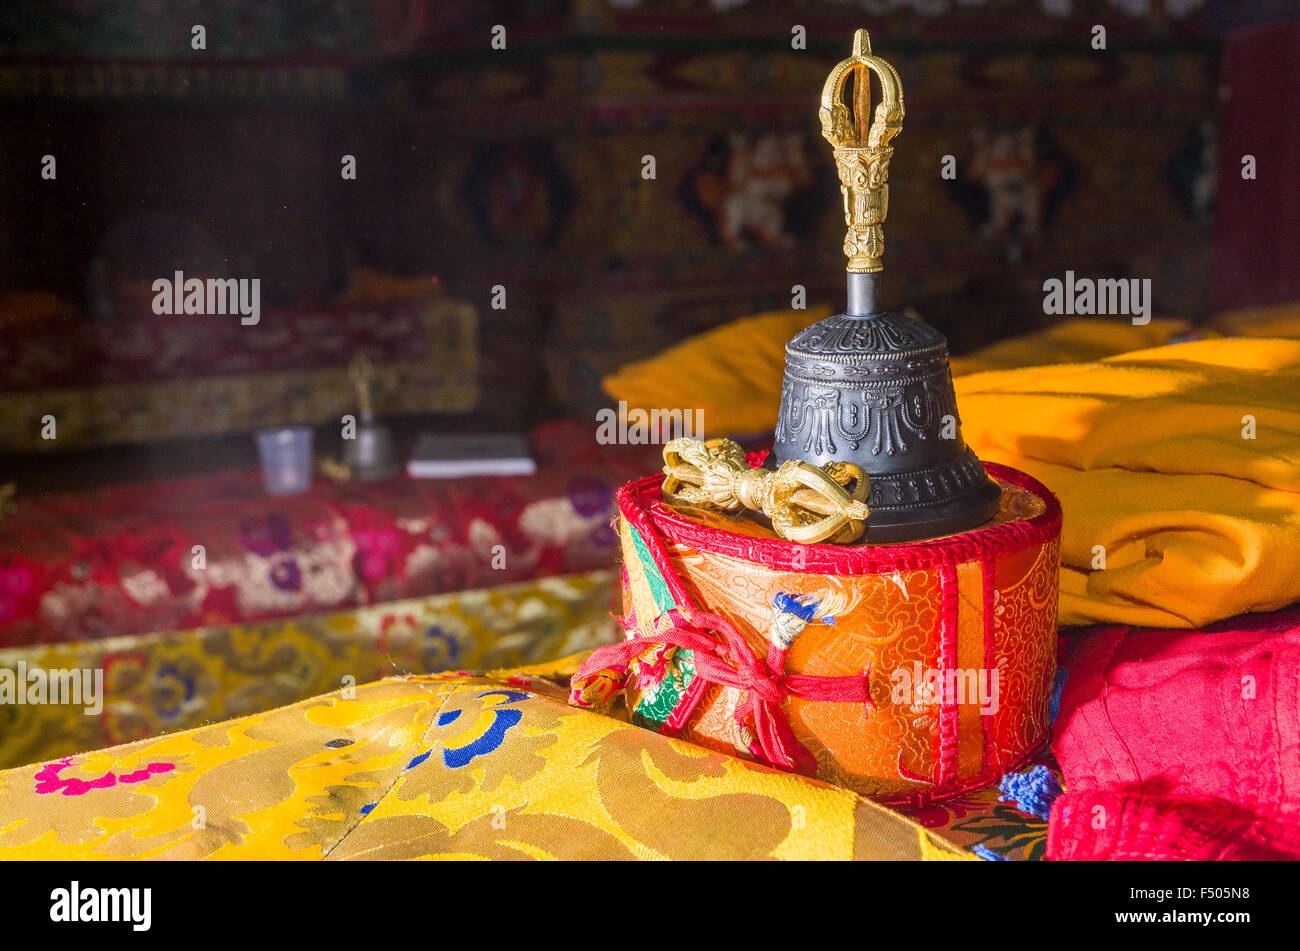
(1177, 465)
(906, 672)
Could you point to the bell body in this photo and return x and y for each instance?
(876, 390)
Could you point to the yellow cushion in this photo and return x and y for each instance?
(731, 373)
(1179, 465)
(1070, 341)
(1144, 447)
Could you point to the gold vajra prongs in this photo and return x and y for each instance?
(862, 150)
(805, 503)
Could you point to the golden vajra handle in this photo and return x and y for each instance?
(862, 150)
(806, 503)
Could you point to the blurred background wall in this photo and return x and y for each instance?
(523, 167)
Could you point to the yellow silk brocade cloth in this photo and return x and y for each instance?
(443, 766)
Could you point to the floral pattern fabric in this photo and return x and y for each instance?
(161, 683)
(986, 819)
(436, 766)
(123, 560)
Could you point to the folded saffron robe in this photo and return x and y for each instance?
(1177, 468)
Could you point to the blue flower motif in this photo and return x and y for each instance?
(490, 730)
(590, 496)
(267, 536)
(442, 649)
(492, 737)
(286, 575)
(173, 690)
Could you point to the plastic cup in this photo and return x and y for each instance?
(286, 459)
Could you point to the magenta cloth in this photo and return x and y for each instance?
(1181, 744)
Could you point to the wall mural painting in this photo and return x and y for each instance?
(757, 189)
(516, 192)
(1192, 171)
(1018, 179)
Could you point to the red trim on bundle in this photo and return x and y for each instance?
(989, 577)
(641, 498)
(947, 754)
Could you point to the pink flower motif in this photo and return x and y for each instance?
(375, 550)
(17, 597)
(49, 781)
(940, 814)
(15, 580)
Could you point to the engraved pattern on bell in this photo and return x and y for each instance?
(823, 421)
(877, 391)
(880, 337)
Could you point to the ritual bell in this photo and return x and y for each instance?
(369, 456)
(869, 386)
